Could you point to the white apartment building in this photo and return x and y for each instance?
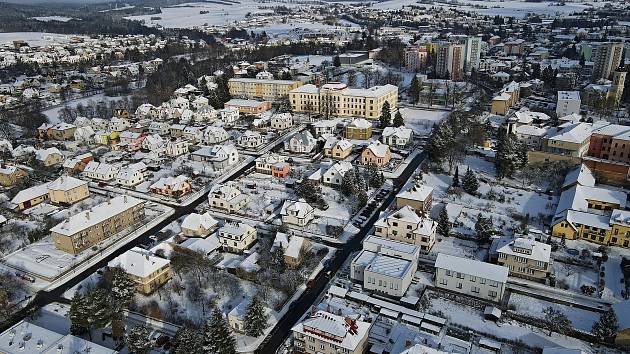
(406, 225)
(327, 333)
(568, 103)
(470, 277)
(237, 237)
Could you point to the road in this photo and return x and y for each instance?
(308, 298)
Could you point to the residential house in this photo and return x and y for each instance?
(132, 175)
(62, 131)
(282, 121)
(159, 128)
(118, 124)
(147, 271)
(77, 163)
(523, 257)
(398, 137)
(337, 149)
(334, 175)
(227, 197)
(237, 237)
(325, 332)
(229, 115)
(377, 154)
(294, 251)
(325, 127)
(177, 147)
(265, 162)
(153, 142)
(214, 135)
(199, 225)
(297, 213)
(419, 197)
(281, 169)
(193, 134)
(358, 129)
(218, 156)
(10, 175)
(174, 187)
(131, 141)
(101, 171)
(470, 277)
(406, 225)
(31, 197)
(301, 143)
(250, 140)
(49, 157)
(87, 228)
(67, 190)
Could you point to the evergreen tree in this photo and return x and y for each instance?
(456, 178)
(511, 155)
(348, 186)
(414, 90)
(470, 183)
(122, 294)
(187, 340)
(79, 314)
(336, 61)
(217, 337)
(398, 120)
(359, 180)
(255, 318)
(386, 115)
(607, 325)
(138, 341)
(443, 227)
(483, 228)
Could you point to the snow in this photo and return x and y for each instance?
(581, 319)
(421, 121)
(53, 113)
(36, 38)
(53, 18)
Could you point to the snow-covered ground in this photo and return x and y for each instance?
(580, 319)
(53, 18)
(421, 121)
(53, 113)
(36, 38)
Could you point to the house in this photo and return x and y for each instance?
(418, 197)
(77, 163)
(31, 197)
(358, 129)
(205, 115)
(280, 169)
(282, 121)
(337, 149)
(177, 147)
(62, 131)
(250, 140)
(159, 128)
(385, 266)
(199, 225)
(264, 163)
(153, 142)
(227, 197)
(398, 137)
(146, 270)
(106, 137)
(67, 190)
(174, 187)
(208, 246)
(406, 225)
(229, 115)
(337, 333)
(248, 106)
(325, 127)
(297, 213)
(334, 175)
(193, 134)
(177, 130)
(87, 228)
(10, 175)
(236, 317)
(49, 157)
(132, 141)
(377, 154)
(524, 258)
(101, 171)
(294, 251)
(214, 135)
(132, 175)
(580, 175)
(301, 143)
(218, 156)
(237, 237)
(118, 124)
(470, 277)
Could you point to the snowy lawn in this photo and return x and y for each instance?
(529, 306)
(421, 121)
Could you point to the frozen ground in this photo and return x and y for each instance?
(580, 319)
(422, 120)
(53, 18)
(53, 113)
(36, 38)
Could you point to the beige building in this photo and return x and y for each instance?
(237, 237)
(377, 154)
(406, 225)
(338, 149)
(87, 228)
(10, 175)
(327, 333)
(265, 89)
(227, 197)
(199, 225)
(146, 270)
(523, 257)
(358, 129)
(67, 190)
(336, 99)
(470, 277)
(417, 197)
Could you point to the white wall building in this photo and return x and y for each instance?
(470, 277)
(568, 103)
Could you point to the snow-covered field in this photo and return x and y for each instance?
(580, 319)
(422, 120)
(53, 113)
(36, 38)
(53, 18)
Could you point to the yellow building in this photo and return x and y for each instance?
(506, 98)
(264, 89)
(146, 270)
(31, 197)
(336, 99)
(569, 144)
(620, 231)
(87, 228)
(67, 190)
(338, 149)
(359, 129)
(10, 175)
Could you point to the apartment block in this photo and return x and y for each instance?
(146, 270)
(407, 225)
(523, 257)
(606, 60)
(265, 89)
(326, 333)
(568, 103)
(470, 277)
(450, 60)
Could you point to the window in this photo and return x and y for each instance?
(459, 285)
(449, 273)
(443, 282)
(492, 293)
(475, 290)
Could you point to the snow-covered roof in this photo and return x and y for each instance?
(531, 130)
(43, 154)
(472, 267)
(408, 214)
(281, 240)
(66, 183)
(581, 175)
(203, 245)
(538, 251)
(360, 123)
(236, 228)
(295, 246)
(378, 149)
(194, 221)
(174, 183)
(30, 193)
(373, 243)
(346, 333)
(621, 217)
(401, 132)
(138, 262)
(420, 193)
(577, 197)
(574, 133)
(386, 265)
(96, 215)
(299, 209)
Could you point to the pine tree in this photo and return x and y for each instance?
(359, 180)
(456, 178)
(122, 294)
(79, 314)
(187, 340)
(362, 198)
(386, 115)
(511, 155)
(470, 183)
(217, 337)
(483, 228)
(138, 341)
(607, 325)
(99, 307)
(443, 227)
(255, 318)
(336, 61)
(414, 90)
(348, 186)
(398, 119)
